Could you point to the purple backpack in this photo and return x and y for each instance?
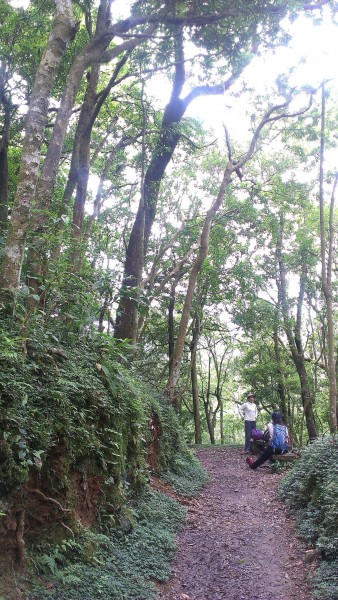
(257, 434)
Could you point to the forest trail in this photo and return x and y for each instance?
(239, 542)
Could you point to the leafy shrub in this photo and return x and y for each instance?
(311, 489)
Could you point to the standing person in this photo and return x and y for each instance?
(249, 412)
(277, 445)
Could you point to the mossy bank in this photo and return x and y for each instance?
(80, 435)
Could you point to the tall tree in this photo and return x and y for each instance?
(326, 252)
(4, 142)
(196, 330)
(63, 29)
(275, 113)
(168, 139)
(295, 337)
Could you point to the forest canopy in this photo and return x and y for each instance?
(95, 242)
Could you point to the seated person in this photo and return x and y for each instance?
(278, 443)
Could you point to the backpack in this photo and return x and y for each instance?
(279, 438)
(256, 434)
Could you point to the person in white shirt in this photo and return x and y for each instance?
(248, 412)
(269, 429)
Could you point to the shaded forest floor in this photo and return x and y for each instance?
(239, 543)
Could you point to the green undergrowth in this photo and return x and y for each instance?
(85, 400)
(116, 565)
(281, 467)
(187, 476)
(311, 491)
(77, 422)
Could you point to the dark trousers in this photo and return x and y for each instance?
(266, 454)
(248, 427)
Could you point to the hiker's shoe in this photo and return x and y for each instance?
(250, 461)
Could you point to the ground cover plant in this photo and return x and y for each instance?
(119, 565)
(81, 435)
(310, 489)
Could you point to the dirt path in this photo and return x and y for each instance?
(238, 543)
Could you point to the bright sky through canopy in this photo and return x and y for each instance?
(313, 52)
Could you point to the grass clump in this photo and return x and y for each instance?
(116, 565)
(311, 490)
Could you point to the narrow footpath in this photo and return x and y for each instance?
(239, 543)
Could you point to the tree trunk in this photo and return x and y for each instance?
(78, 177)
(221, 421)
(62, 31)
(37, 256)
(196, 267)
(221, 374)
(208, 410)
(194, 380)
(280, 374)
(294, 341)
(4, 142)
(83, 169)
(95, 51)
(171, 323)
(327, 275)
(168, 139)
(139, 236)
(4, 174)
